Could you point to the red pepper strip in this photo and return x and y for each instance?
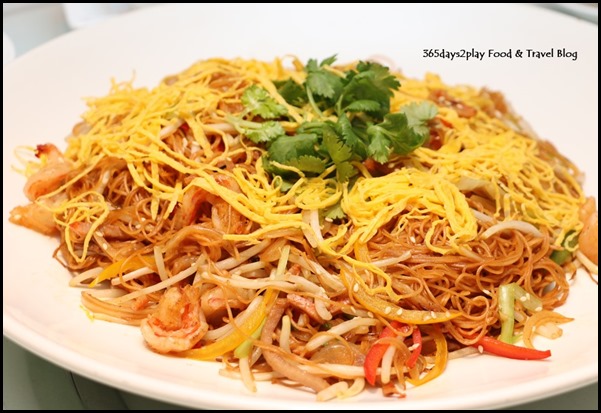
(500, 348)
(376, 353)
(417, 341)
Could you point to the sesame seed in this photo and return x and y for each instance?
(487, 292)
(356, 287)
(523, 298)
(354, 310)
(370, 314)
(528, 296)
(447, 313)
(539, 308)
(412, 238)
(105, 246)
(387, 310)
(399, 311)
(432, 314)
(480, 349)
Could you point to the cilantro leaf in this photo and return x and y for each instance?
(334, 212)
(322, 82)
(286, 148)
(308, 163)
(351, 137)
(379, 147)
(292, 92)
(328, 61)
(360, 98)
(338, 151)
(403, 132)
(267, 132)
(345, 171)
(363, 106)
(418, 114)
(259, 102)
(297, 151)
(372, 82)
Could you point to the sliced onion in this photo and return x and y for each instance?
(521, 226)
(339, 353)
(540, 318)
(588, 264)
(335, 390)
(342, 328)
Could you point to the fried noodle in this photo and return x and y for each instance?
(159, 197)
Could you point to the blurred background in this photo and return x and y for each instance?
(27, 25)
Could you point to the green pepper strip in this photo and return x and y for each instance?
(243, 350)
(238, 336)
(508, 294)
(506, 312)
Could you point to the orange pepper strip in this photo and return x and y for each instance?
(124, 266)
(392, 311)
(440, 360)
(236, 337)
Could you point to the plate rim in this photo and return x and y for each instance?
(9, 327)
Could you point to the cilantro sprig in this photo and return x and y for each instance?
(352, 121)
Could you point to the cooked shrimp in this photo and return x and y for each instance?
(588, 240)
(38, 216)
(178, 323)
(223, 216)
(214, 303)
(35, 217)
(50, 176)
(108, 230)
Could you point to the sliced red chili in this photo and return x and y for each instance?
(417, 342)
(500, 348)
(376, 353)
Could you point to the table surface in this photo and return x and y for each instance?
(30, 382)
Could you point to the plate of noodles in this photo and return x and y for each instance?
(336, 206)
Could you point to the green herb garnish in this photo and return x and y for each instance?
(352, 121)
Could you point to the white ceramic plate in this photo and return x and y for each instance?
(8, 49)
(42, 100)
